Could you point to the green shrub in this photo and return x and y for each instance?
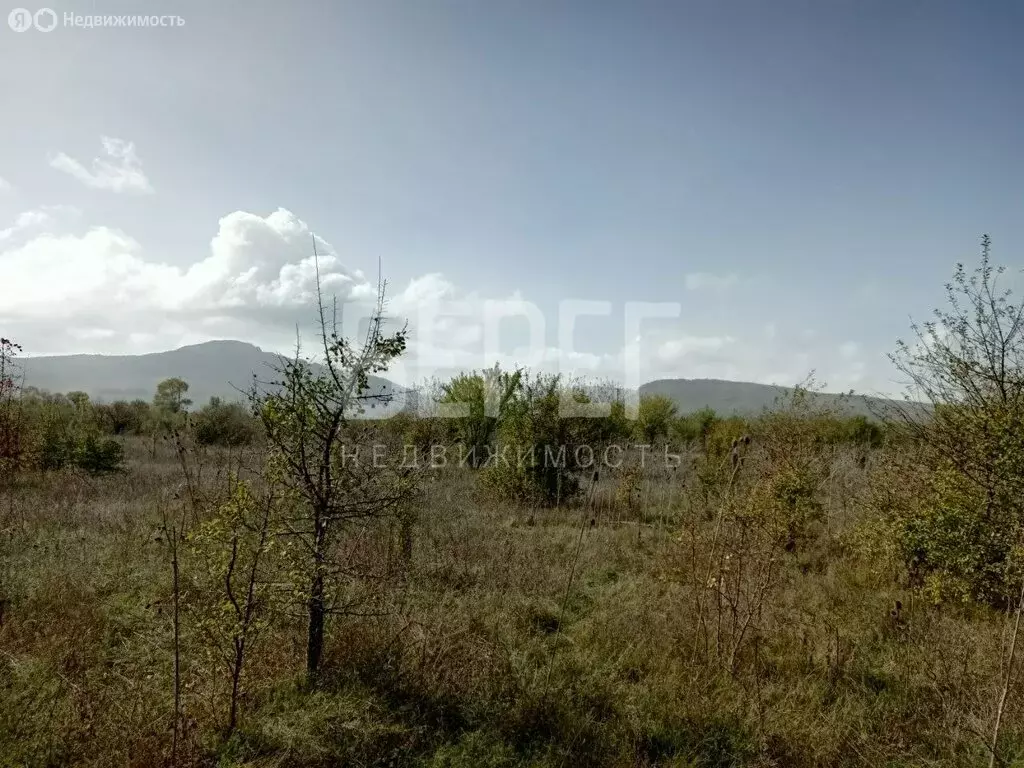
(655, 417)
(122, 417)
(54, 450)
(485, 397)
(695, 427)
(542, 453)
(942, 527)
(99, 456)
(220, 423)
(967, 364)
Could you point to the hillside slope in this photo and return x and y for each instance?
(747, 398)
(212, 369)
(222, 368)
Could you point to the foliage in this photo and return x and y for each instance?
(695, 427)
(798, 659)
(99, 456)
(220, 423)
(232, 585)
(171, 396)
(952, 549)
(968, 365)
(655, 418)
(12, 425)
(307, 416)
(58, 433)
(122, 417)
(795, 461)
(542, 453)
(481, 402)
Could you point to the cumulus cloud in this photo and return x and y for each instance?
(267, 263)
(48, 216)
(24, 221)
(119, 170)
(677, 349)
(67, 290)
(706, 281)
(260, 276)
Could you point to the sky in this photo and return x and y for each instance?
(731, 189)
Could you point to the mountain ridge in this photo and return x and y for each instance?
(749, 398)
(224, 368)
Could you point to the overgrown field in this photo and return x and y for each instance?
(519, 583)
(660, 619)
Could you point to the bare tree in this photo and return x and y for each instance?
(310, 415)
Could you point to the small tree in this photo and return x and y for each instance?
(232, 548)
(484, 400)
(655, 417)
(169, 409)
(307, 415)
(80, 400)
(121, 417)
(12, 426)
(220, 423)
(541, 453)
(171, 396)
(964, 410)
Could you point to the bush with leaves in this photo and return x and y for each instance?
(12, 419)
(952, 552)
(233, 550)
(655, 418)
(62, 433)
(98, 455)
(964, 417)
(542, 451)
(122, 417)
(477, 403)
(53, 432)
(695, 427)
(220, 423)
(792, 462)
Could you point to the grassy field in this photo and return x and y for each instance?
(655, 621)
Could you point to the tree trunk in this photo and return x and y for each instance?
(317, 606)
(236, 677)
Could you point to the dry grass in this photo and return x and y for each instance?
(486, 655)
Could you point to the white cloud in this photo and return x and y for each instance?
(119, 171)
(430, 288)
(258, 279)
(701, 281)
(675, 350)
(68, 289)
(48, 216)
(258, 262)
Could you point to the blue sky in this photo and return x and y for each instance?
(800, 177)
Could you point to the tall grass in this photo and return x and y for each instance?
(721, 635)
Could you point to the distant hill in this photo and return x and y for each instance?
(221, 368)
(746, 398)
(213, 369)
